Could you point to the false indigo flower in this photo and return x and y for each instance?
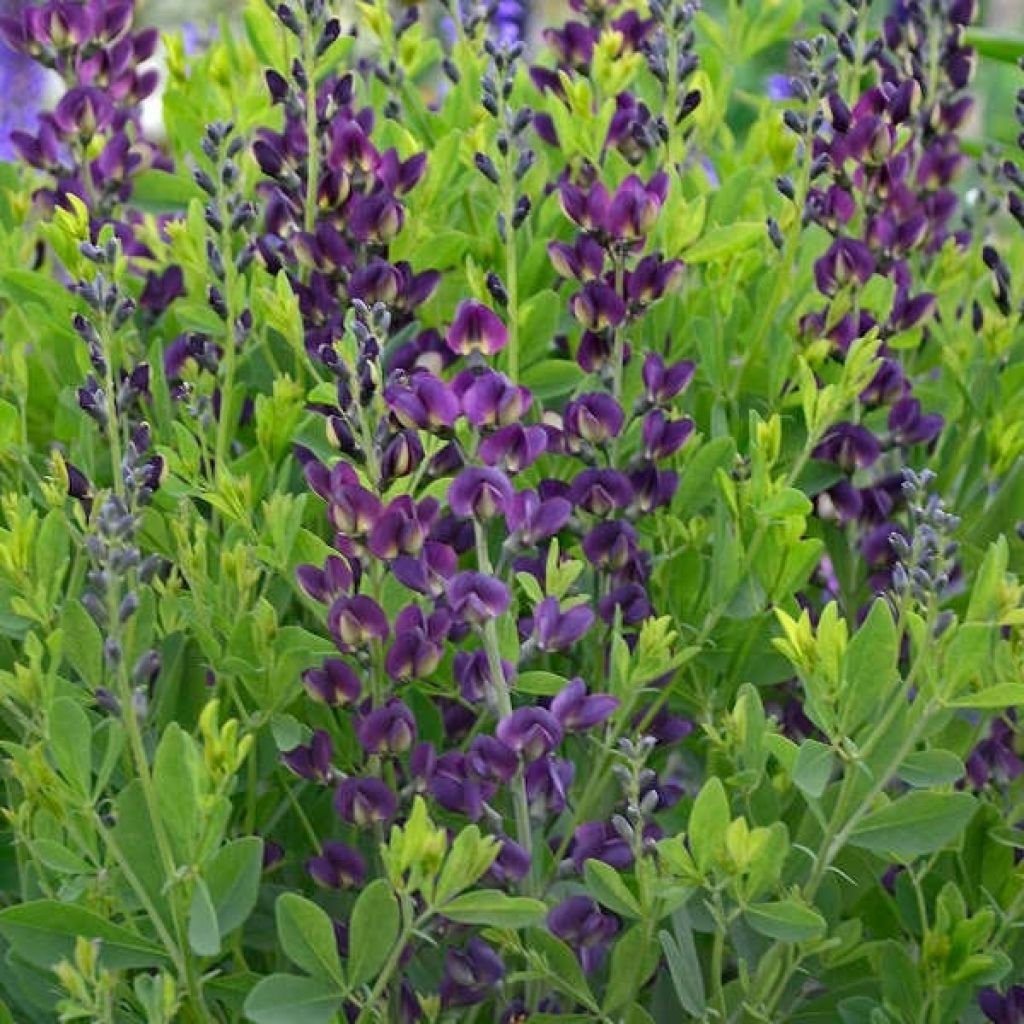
(334, 683)
(579, 922)
(356, 621)
(530, 731)
(480, 494)
(470, 974)
(476, 329)
(338, 867)
(390, 729)
(555, 630)
(1003, 1009)
(364, 801)
(577, 710)
(312, 762)
(472, 672)
(478, 598)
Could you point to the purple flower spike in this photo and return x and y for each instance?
(555, 630)
(334, 684)
(338, 867)
(364, 801)
(476, 329)
(357, 621)
(470, 974)
(579, 922)
(477, 598)
(530, 731)
(390, 729)
(312, 762)
(577, 710)
(480, 494)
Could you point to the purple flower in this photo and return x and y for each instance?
(476, 329)
(555, 630)
(490, 399)
(389, 729)
(577, 710)
(664, 437)
(547, 785)
(597, 306)
(338, 867)
(334, 683)
(846, 260)
(478, 598)
(601, 491)
(535, 520)
(489, 760)
(453, 788)
(481, 494)
(530, 731)
(600, 841)
(470, 974)
(514, 448)
(422, 401)
(325, 584)
(512, 863)
(610, 545)
(1003, 1009)
(402, 528)
(594, 418)
(850, 446)
(909, 426)
(778, 88)
(472, 672)
(312, 762)
(363, 801)
(579, 922)
(356, 621)
(634, 208)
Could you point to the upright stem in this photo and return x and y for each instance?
(524, 831)
(224, 421)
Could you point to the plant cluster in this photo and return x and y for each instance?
(510, 532)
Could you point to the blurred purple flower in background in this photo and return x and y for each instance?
(22, 86)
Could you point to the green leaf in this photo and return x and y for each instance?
(552, 378)
(233, 879)
(718, 243)
(562, 964)
(307, 938)
(633, 959)
(785, 921)
(916, 824)
(70, 733)
(176, 780)
(83, 643)
(542, 684)
(684, 967)
(813, 768)
(695, 492)
(998, 697)
(605, 884)
(156, 188)
(494, 908)
(709, 819)
(373, 930)
(203, 933)
(869, 667)
(996, 44)
(289, 999)
(44, 932)
(57, 857)
(925, 769)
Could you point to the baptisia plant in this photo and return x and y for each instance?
(511, 521)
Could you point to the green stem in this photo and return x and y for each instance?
(524, 831)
